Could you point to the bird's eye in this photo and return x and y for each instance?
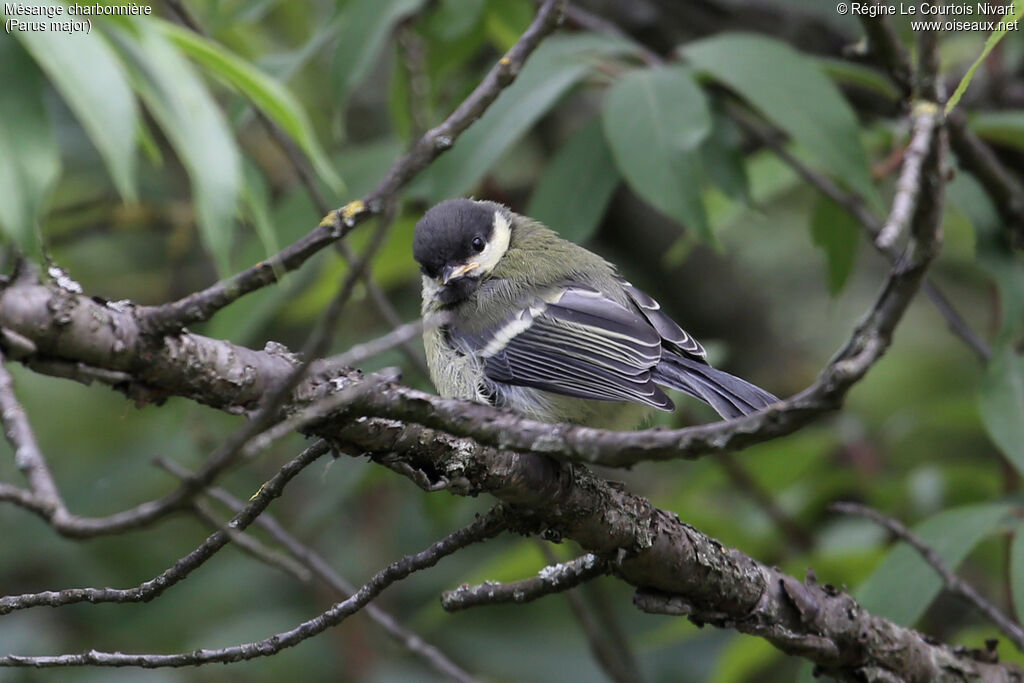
(478, 244)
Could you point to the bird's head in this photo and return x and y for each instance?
(458, 243)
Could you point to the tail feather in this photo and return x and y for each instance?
(730, 396)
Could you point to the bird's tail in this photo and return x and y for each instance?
(730, 396)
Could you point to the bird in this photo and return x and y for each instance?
(543, 327)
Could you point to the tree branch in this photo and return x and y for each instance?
(315, 565)
(200, 306)
(889, 49)
(551, 579)
(974, 155)
(482, 529)
(855, 205)
(1006, 192)
(909, 184)
(27, 455)
(953, 583)
(183, 567)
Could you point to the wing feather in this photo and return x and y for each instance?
(668, 328)
(576, 342)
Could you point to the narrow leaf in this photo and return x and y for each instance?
(453, 18)
(558, 64)
(838, 235)
(903, 586)
(365, 25)
(505, 21)
(999, 127)
(86, 71)
(845, 72)
(1015, 13)
(29, 158)
(573, 191)
(655, 121)
(196, 129)
(795, 94)
(1002, 401)
(267, 94)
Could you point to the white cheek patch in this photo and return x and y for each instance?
(496, 247)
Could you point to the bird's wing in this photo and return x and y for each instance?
(678, 339)
(573, 341)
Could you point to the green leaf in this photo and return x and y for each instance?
(367, 164)
(196, 129)
(795, 95)
(722, 158)
(1001, 396)
(365, 26)
(573, 191)
(453, 18)
(558, 64)
(89, 76)
(505, 21)
(256, 208)
(1015, 13)
(1002, 401)
(268, 95)
(838, 235)
(999, 127)
(845, 72)
(655, 121)
(903, 585)
(29, 158)
(1017, 571)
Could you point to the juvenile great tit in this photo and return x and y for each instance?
(543, 327)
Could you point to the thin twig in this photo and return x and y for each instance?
(200, 305)
(251, 545)
(28, 457)
(1006, 192)
(953, 583)
(955, 322)
(184, 566)
(974, 155)
(552, 579)
(927, 85)
(889, 49)
(908, 185)
(580, 17)
(315, 564)
(855, 205)
(317, 411)
(481, 529)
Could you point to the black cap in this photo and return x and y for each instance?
(447, 234)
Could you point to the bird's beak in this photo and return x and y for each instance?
(455, 272)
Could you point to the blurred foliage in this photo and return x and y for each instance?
(131, 157)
